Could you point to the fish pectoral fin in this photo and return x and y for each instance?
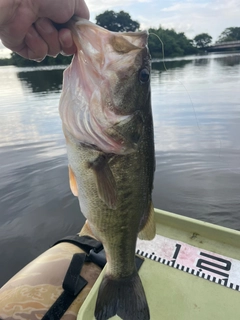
(72, 182)
(148, 231)
(106, 184)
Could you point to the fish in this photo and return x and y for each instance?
(106, 114)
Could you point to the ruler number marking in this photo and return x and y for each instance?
(220, 267)
(207, 265)
(178, 247)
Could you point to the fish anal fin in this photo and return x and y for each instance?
(105, 181)
(148, 231)
(72, 182)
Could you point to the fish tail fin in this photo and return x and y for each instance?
(124, 297)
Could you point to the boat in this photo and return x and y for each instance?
(191, 270)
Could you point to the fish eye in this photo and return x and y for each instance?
(144, 75)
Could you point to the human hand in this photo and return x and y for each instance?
(26, 26)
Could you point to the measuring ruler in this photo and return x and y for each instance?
(198, 262)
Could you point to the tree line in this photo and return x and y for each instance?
(161, 40)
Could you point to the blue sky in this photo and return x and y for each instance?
(189, 16)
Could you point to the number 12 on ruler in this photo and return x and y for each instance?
(204, 261)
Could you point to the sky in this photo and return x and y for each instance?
(189, 16)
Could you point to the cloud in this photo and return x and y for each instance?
(102, 5)
(4, 52)
(185, 6)
(220, 5)
(194, 17)
(189, 16)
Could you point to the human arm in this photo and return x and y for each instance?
(26, 26)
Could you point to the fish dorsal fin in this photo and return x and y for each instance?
(106, 184)
(72, 182)
(149, 230)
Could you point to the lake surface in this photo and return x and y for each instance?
(196, 109)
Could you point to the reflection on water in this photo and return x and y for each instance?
(196, 108)
(44, 81)
(231, 61)
(29, 105)
(159, 65)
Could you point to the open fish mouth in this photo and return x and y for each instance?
(102, 74)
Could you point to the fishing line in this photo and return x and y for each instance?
(180, 82)
(154, 34)
(192, 104)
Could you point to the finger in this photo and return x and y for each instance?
(81, 9)
(49, 34)
(67, 45)
(37, 48)
(62, 10)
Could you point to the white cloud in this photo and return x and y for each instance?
(99, 6)
(185, 6)
(225, 5)
(4, 52)
(194, 17)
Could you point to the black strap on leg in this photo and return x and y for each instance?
(92, 247)
(85, 243)
(72, 285)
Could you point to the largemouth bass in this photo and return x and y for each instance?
(106, 115)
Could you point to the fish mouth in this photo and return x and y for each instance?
(95, 43)
(90, 106)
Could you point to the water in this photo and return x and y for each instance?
(196, 108)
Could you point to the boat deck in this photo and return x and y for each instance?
(198, 276)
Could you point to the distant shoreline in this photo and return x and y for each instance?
(18, 61)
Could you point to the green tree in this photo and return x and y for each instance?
(5, 62)
(202, 40)
(117, 21)
(230, 34)
(19, 61)
(174, 44)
